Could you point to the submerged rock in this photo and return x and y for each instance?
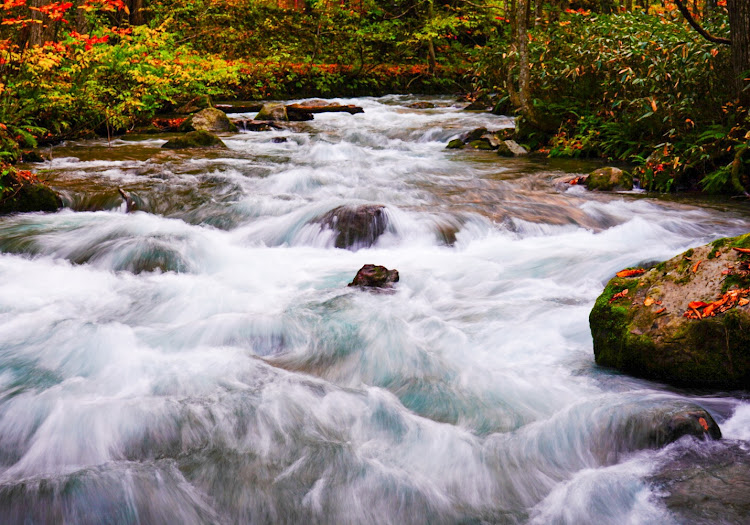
(686, 321)
(708, 486)
(356, 226)
(195, 139)
(455, 144)
(609, 179)
(209, 119)
(373, 276)
(421, 105)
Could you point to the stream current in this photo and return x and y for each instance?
(203, 361)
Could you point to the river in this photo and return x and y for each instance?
(203, 361)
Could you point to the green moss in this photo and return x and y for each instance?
(689, 253)
(743, 241)
(455, 144)
(30, 197)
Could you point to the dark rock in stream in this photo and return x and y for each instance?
(356, 226)
(195, 139)
(29, 197)
(209, 119)
(707, 486)
(455, 144)
(373, 276)
(685, 321)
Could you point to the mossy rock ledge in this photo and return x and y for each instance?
(30, 197)
(644, 332)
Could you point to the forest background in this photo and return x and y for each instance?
(663, 86)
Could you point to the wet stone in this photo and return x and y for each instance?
(356, 226)
(707, 486)
(374, 276)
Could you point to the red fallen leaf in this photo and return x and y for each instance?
(726, 272)
(697, 304)
(630, 273)
(695, 266)
(702, 422)
(619, 295)
(660, 310)
(717, 254)
(742, 250)
(708, 311)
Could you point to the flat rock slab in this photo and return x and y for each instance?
(707, 487)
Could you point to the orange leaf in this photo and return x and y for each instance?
(697, 304)
(660, 310)
(649, 301)
(717, 254)
(653, 104)
(703, 423)
(695, 266)
(742, 250)
(630, 273)
(744, 301)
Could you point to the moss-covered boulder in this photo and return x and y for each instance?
(685, 321)
(609, 179)
(209, 119)
(455, 144)
(21, 191)
(273, 113)
(195, 139)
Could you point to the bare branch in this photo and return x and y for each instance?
(702, 32)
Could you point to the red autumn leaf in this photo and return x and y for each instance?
(630, 273)
(660, 310)
(697, 304)
(695, 266)
(702, 422)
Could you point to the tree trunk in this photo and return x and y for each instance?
(739, 25)
(431, 59)
(522, 38)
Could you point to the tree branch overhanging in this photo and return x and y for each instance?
(702, 32)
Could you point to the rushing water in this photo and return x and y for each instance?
(203, 361)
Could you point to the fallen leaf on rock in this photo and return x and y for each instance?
(726, 272)
(649, 301)
(742, 250)
(660, 310)
(630, 273)
(619, 295)
(725, 302)
(695, 266)
(702, 422)
(717, 254)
